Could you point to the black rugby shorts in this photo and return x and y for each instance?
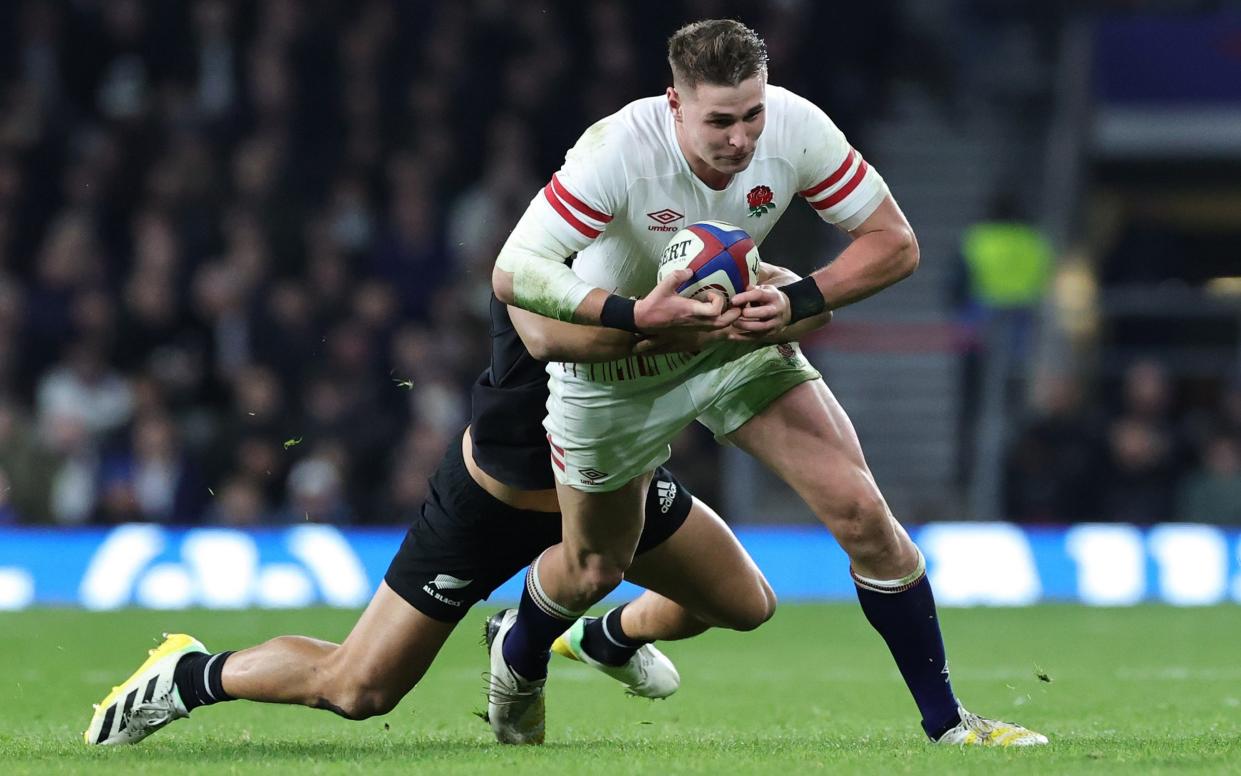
(466, 543)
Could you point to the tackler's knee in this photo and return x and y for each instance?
(747, 612)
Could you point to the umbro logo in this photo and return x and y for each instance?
(663, 220)
(591, 476)
(665, 216)
(667, 492)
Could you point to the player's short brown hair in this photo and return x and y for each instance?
(723, 52)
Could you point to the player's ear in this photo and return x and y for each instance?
(674, 102)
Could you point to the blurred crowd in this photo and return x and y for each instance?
(1146, 449)
(245, 248)
(245, 251)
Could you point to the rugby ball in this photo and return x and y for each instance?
(723, 257)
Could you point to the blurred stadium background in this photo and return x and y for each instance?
(245, 255)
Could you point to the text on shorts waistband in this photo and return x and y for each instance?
(631, 368)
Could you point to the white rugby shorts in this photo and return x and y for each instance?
(608, 423)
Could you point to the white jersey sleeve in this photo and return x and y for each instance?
(577, 204)
(565, 217)
(832, 176)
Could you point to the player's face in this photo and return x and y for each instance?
(721, 124)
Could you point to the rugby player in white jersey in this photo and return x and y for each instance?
(491, 508)
(721, 144)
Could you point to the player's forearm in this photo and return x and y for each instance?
(531, 273)
(588, 344)
(540, 285)
(873, 262)
(550, 340)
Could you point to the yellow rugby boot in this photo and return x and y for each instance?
(147, 700)
(976, 731)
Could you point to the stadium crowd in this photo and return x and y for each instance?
(245, 248)
(1144, 450)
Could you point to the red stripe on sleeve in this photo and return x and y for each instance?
(577, 204)
(843, 191)
(567, 214)
(831, 180)
(558, 462)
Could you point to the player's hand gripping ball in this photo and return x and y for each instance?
(723, 257)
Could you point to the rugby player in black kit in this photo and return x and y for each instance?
(491, 510)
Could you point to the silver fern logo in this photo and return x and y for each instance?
(445, 582)
(449, 582)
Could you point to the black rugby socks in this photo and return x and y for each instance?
(199, 678)
(606, 641)
(527, 646)
(903, 611)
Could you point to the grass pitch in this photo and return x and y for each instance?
(1142, 690)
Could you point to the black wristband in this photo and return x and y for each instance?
(805, 299)
(617, 313)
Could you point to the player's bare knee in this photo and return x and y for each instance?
(758, 609)
(762, 606)
(353, 694)
(376, 698)
(861, 523)
(599, 580)
(348, 689)
(746, 609)
(597, 575)
(359, 703)
(770, 602)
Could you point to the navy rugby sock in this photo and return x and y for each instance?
(606, 641)
(527, 647)
(199, 679)
(903, 611)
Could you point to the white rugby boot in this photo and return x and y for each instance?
(648, 674)
(515, 707)
(977, 731)
(146, 701)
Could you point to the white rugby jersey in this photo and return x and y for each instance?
(626, 188)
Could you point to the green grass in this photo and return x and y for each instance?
(1142, 690)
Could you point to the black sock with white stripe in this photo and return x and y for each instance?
(199, 678)
(527, 647)
(606, 641)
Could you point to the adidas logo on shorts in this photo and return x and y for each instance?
(667, 492)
